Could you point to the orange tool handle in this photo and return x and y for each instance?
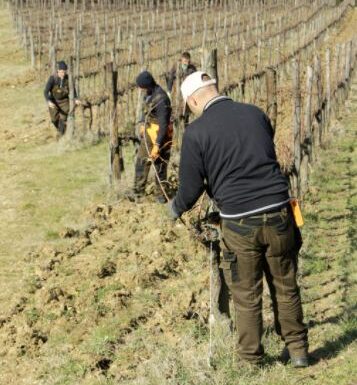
(297, 212)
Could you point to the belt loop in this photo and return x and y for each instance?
(241, 221)
(265, 218)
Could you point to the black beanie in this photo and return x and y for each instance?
(61, 65)
(145, 80)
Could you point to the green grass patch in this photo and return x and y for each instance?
(102, 292)
(52, 235)
(313, 264)
(102, 337)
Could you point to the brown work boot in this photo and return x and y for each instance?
(301, 361)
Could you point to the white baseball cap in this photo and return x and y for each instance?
(194, 82)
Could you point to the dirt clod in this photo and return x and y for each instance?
(108, 269)
(38, 337)
(169, 236)
(69, 233)
(3, 321)
(54, 294)
(103, 364)
(20, 306)
(49, 266)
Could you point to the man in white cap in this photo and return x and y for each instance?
(229, 152)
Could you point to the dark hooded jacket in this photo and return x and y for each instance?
(157, 105)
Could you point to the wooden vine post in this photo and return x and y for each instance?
(70, 119)
(272, 103)
(318, 115)
(219, 291)
(179, 112)
(53, 59)
(209, 63)
(296, 128)
(140, 101)
(337, 81)
(307, 142)
(32, 50)
(116, 162)
(328, 92)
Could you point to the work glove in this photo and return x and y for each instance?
(173, 215)
(155, 152)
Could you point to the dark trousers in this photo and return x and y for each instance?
(143, 163)
(265, 244)
(59, 114)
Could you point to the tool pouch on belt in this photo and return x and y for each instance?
(229, 265)
(295, 207)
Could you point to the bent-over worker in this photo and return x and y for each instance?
(229, 151)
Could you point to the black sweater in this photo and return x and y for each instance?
(229, 151)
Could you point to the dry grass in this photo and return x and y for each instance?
(43, 184)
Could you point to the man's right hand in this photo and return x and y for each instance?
(51, 105)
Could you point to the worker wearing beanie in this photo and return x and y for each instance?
(155, 135)
(57, 97)
(177, 75)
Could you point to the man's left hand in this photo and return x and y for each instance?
(155, 152)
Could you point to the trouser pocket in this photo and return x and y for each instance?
(281, 237)
(229, 265)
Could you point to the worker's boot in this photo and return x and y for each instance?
(135, 194)
(161, 199)
(58, 131)
(300, 362)
(297, 362)
(61, 127)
